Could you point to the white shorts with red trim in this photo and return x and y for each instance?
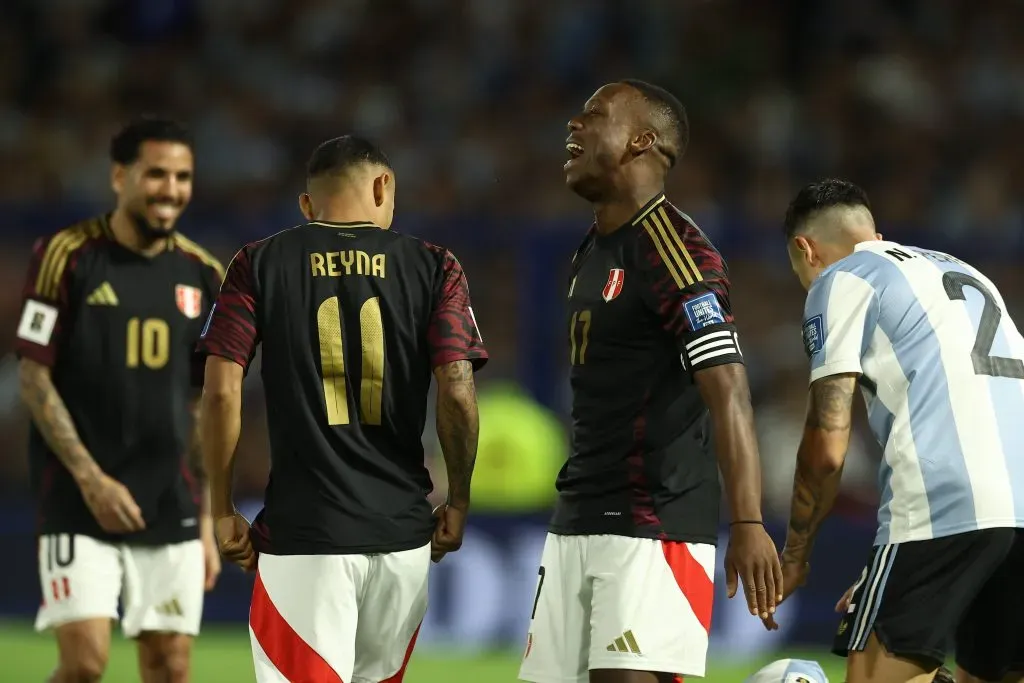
(337, 618)
(616, 602)
(160, 587)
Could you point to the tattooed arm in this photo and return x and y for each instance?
(110, 502)
(820, 459)
(457, 427)
(54, 422)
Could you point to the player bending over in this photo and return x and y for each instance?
(113, 307)
(625, 586)
(938, 360)
(353, 319)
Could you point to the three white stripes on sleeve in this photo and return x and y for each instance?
(712, 345)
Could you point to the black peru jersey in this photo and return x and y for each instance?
(648, 307)
(352, 320)
(117, 330)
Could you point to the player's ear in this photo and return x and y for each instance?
(643, 142)
(306, 206)
(806, 249)
(117, 173)
(381, 188)
(878, 237)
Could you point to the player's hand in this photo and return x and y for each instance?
(844, 602)
(211, 555)
(448, 530)
(794, 575)
(233, 541)
(112, 504)
(753, 559)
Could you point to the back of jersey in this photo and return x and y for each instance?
(942, 368)
(352, 320)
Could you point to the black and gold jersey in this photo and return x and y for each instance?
(351, 319)
(118, 330)
(648, 307)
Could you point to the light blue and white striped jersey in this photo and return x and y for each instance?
(942, 375)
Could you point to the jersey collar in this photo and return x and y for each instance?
(647, 208)
(637, 218)
(350, 224)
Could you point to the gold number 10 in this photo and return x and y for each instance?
(332, 360)
(579, 319)
(150, 339)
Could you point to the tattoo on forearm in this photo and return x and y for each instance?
(812, 499)
(458, 427)
(831, 403)
(52, 418)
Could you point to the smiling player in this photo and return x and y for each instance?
(113, 306)
(625, 584)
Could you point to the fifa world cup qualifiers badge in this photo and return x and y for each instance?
(814, 335)
(703, 311)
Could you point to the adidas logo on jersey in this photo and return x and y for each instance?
(102, 296)
(625, 643)
(171, 608)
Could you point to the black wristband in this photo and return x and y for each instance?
(747, 521)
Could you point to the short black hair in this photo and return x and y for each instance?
(667, 105)
(337, 155)
(821, 195)
(126, 145)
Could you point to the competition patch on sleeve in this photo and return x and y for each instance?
(703, 311)
(814, 335)
(37, 322)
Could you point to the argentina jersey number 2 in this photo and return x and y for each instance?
(991, 315)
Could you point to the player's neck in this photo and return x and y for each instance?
(615, 212)
(128, 235)
(344, 210)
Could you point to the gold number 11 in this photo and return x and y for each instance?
(332, 361)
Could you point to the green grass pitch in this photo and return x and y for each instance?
(221, 655)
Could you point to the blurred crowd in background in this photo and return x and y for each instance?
(919, 101)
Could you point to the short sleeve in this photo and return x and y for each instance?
(213, 278)
(452, 333)
(231, 330)
(839, 317)
(45, 298)
(687, 287)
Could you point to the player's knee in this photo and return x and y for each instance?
(83, 654)
(165, 656)
(82, 668)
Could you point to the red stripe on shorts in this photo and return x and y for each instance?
(293, 657)
(692, 580)
(398, 677)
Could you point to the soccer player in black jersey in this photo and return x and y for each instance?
(113, 307)
(353, 319)
(625, 587)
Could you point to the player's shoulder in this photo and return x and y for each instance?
(74, 237)
(669, 238)
(194, 252)
(57, 253)
(875, 262)
(436, 255)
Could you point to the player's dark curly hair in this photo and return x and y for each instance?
(126, 145)
(667, 106)
(339, 154)
(822, 195)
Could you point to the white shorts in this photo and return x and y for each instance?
(333, 618)
(160, 587)
(616, 602)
